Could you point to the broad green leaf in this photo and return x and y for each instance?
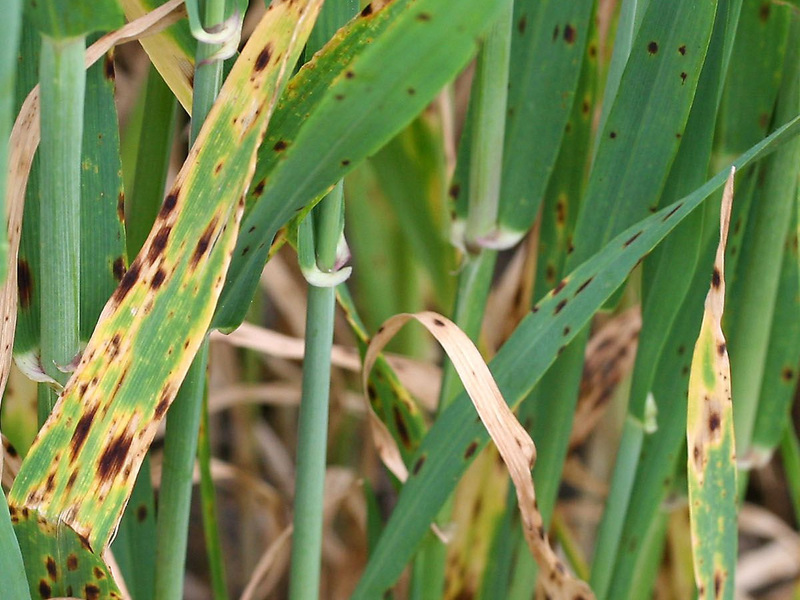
(370, 80)
(71, 18)
(709, 438)
(455, 437)
(78, 475)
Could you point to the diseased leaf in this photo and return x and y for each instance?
(709, 438)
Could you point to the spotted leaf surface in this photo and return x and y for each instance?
(80, 471)
(709, 436)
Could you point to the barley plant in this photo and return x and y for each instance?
(223, 215)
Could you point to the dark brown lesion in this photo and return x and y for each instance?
(113, 458)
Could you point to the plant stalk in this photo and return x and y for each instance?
(180, 447)
(313, 420)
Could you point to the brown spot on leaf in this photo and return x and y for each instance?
(108, 66)
(560, 286)
(127, 283)
(652, 47)
(52, 569)
(367, 10)
(682, 50)
(113, 458)
(613, 135)
(632, 239)
(763, 11)
(473, 446)
(44, 589)
(158, 279)
(569, 33)
(402, 430)
(263, 57)
(72, 562)
(81, 432)
(141, 513)
(169, 204)
(560, 306)
(683, 77)
(279, 146)
(721, 349)
(98, 573)
(91, 592)
(787, 374)
(203, 243)
(24, 283)
(424, 17)
(121, 207)
(716, 278)
(454, 190)
(118, 268)
(349, 74)
(163, 404)
(713, 422)
(583, 286)
(522, 24)
(418, 465)
(159, 243)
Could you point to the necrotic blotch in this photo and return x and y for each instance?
(263, 57)
(113, 458)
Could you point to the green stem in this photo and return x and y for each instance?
(216, 562)
(180, 446)
(490, 99)
(207, 72)
(63, 83)
(313, 421)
